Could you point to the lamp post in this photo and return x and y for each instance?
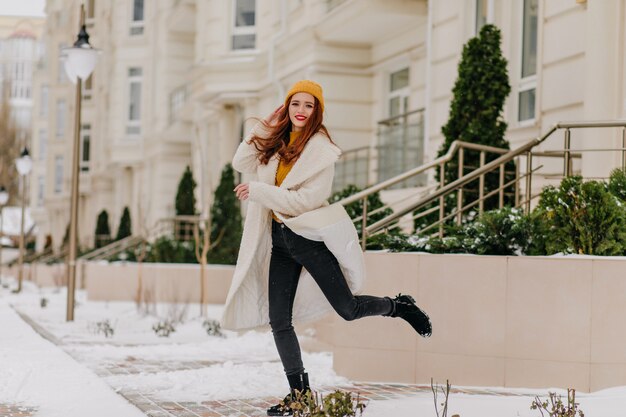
(4, 198)
(24, 164)
(80, 61)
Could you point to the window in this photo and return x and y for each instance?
(481, 14)
(244, 30)
(61, 108)
(43, 109)
(177, 100)
(399, 92)
(88, 87)
(41, 188)
(85, 138)
(137, 22)
(528, 82)
(61, 75)
(58, 174)
(43, 144)
(133, 126)
(90, 11)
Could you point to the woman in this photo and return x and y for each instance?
(293, 156)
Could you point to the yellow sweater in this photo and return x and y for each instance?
(284, 168)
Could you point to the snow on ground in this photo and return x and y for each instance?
(36, 373)
(238, 366)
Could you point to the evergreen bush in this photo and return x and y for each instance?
(168, 250)
(103, 231)
(185, 204)
(478, 99)
(355, 209)
(124, 230)
(225, 221)
(185, 196)
(583, 217)
(498, 232)
(617, 184)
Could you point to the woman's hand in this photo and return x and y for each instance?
(273, 117)
(242, 191)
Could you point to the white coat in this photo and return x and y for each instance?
(301, 202)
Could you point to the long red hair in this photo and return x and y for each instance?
(278, 138)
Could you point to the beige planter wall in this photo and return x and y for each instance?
(497, 321)
(161, 282)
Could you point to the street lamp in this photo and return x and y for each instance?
(24, 164)
(80, 61)
(4, 198)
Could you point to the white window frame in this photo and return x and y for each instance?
(43, 143)
(61, 74)
(85, 136)
(242, 30)
(489, 17)
(41, 189)
(177, 101)
(529, 82)
(87, 89)
(137, 26)
(403, 93)
(133, 126)
(43, 100)
(90, 12)
(58, 174)
(60, 118)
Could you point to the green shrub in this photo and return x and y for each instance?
(479, 94)
(124, 230)
(617, 184)
(103, 231)
(168, 250)
(225, 221)
(355, 209)
(497, 232)
(583, 217)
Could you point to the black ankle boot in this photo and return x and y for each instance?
(298, 384)
(405, 308)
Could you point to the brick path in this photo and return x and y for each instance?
(12, 410)
(254, 407)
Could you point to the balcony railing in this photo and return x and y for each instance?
(353, 168)
(331, 4)
(401, 147)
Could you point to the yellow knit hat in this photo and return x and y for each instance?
(306, 86)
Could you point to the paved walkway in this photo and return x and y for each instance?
(12, 410)
(253, 407)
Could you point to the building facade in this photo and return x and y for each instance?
(20, 50)
(179, 82)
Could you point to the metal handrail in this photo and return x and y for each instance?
(507, 156)
(400, 116)
(454, 147)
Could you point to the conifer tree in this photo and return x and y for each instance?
(185, 204)
(226, 222)
(479, 92)
(185, 197)
(9, 151)
(124, 230)
(103, 231)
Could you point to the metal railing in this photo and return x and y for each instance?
(400, 147)
(353, 168)
(179, 227)
(434, 202)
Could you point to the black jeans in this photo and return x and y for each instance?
(291, 252)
